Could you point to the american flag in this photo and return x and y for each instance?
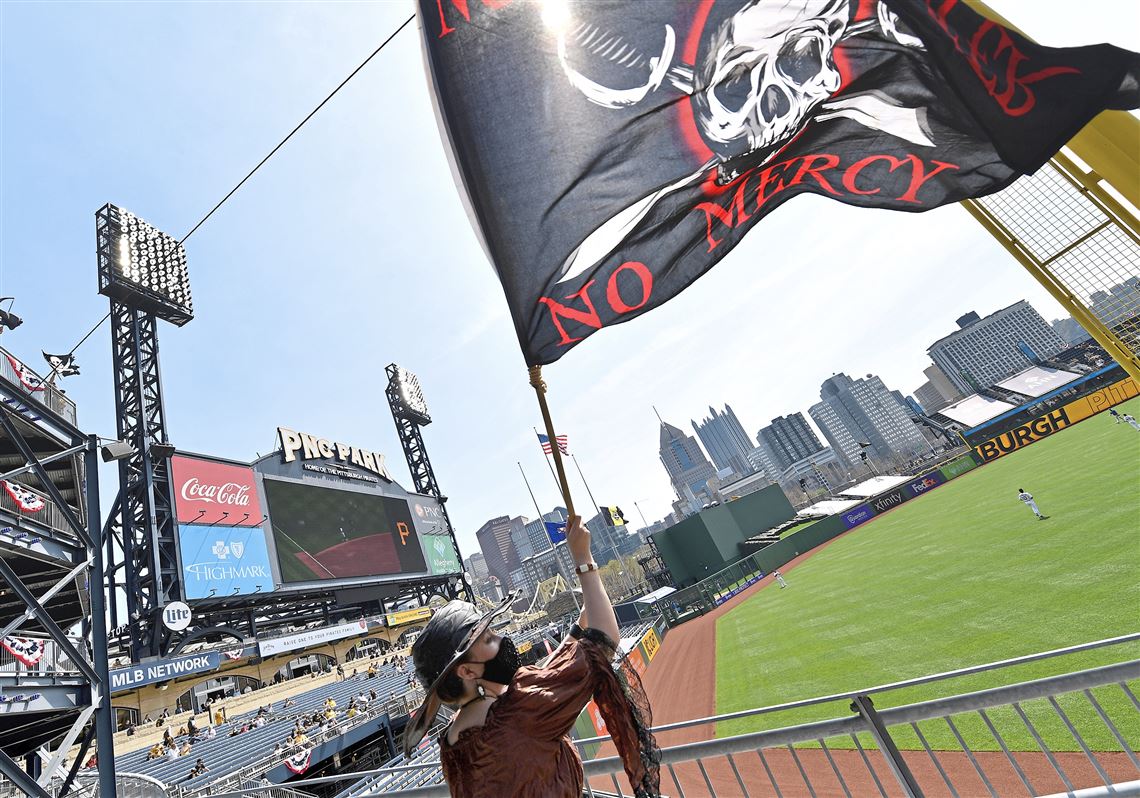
(546, 447)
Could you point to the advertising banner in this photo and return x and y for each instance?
(223, 561)
(323, 533)
(404, 617)
(268, 648)
(958, 467)
(852, 518)
(650, 644)
(162, 670)
(889, 500)
(209, 492)
(439, 551)
(925, 483)
(1056, 420)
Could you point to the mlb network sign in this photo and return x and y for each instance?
(223, 561)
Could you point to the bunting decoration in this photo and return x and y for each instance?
(233, 655)
(28, 650)
(28, 502)
(299, 762)
(25, 375)
(610, 154)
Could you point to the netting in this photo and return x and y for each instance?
(1085, 249)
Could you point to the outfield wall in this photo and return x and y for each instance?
(708, 593)
(1055, 420)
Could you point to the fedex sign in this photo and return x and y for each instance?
(209, 492)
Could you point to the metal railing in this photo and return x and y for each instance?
(960, 746)
(46, 394)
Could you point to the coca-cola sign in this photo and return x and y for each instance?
(209, 492)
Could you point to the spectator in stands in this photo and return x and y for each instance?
(191, 727)
(198, 769)
(147, 718)
(93, 761)
(362, 699)
(219, 716)
(351, 713)
(372, 695)
(371, 671)
(185, 749)
(330, 703)
(130, 729)
(339, 672)
(299, 738)
(461, 661)
(167, 738)
(209, 733)
(171, 754)
(156, 751)
(289, 702)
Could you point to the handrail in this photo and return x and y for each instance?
(879, 689)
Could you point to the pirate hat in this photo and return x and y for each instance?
(439, 649)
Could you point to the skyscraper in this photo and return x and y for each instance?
(497, 542)
(688, 468)
(985, 350)
(857, 412)
(725, 440)
(789, 439)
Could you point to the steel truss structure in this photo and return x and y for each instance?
(141, 544)
(51, 576)
(408, 425)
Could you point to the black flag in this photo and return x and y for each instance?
(612, 152)
(63, 365)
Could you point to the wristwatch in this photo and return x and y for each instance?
(586, 566)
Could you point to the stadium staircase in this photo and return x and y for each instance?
(233, 758)
(45, 673)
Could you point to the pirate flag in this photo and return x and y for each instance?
(610, 153)
(63, 365)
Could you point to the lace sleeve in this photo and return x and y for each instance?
(625, 708)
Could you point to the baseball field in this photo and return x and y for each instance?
(962, 576)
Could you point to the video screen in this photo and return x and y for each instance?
(324, 533)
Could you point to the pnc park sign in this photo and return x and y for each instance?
(303, 446)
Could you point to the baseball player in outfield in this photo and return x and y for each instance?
(1132, 422)
(1028, 499)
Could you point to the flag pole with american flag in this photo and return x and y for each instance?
(547, 449)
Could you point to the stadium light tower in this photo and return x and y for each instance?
(410, 412)
(142, 270)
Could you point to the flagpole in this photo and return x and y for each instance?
(531, 492)
(598, 510)
(553, 443)
(539, 386)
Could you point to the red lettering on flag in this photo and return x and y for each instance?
(589, 317)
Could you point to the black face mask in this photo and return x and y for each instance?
(501, 668)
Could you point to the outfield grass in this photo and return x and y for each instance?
(962, 576)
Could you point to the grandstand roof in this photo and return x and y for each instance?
(873, 486)
(974, 410)
(1037, 380)
(659, 593)
(828, 507)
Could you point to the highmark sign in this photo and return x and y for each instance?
(163, 670)
(303, 446)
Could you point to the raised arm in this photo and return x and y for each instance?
(597, 612)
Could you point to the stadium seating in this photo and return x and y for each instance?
(225, 754)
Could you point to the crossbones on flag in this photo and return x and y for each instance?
(63, 365)
(610, 153)
(27, 650)
(28, 502)
(298, 762)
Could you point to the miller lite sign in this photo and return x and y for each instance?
(210, 492)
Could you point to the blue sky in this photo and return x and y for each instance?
(350, 250)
